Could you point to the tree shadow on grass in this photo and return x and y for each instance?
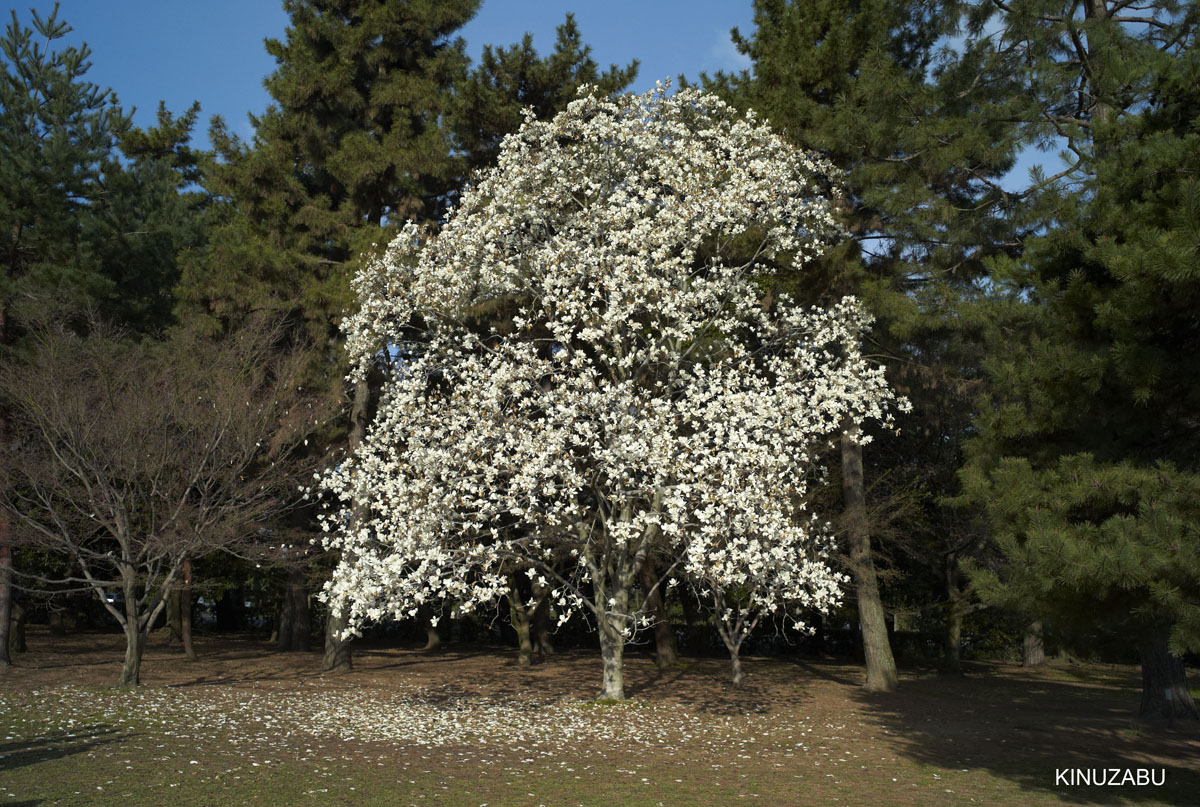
(1028, 725)
(56, 745)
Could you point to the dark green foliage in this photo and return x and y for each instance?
(353, 144)
(1110, 548)
(86, 224)
(1086, 461)
(57, 131)
(490, 102)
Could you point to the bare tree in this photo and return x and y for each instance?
(131, 458)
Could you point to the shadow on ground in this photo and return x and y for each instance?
(1029, 725)
(57, 745)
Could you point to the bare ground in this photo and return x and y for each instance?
(467, 726)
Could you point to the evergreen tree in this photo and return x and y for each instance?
(491, 101)
(352, 143)
(57, 133)
(1086, 459)
(867, 84)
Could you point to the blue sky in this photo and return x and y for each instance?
(212, 51)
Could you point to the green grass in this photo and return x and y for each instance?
(247, 730)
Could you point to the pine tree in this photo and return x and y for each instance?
(353, 143)
(491, 101)
(1086, 457)
(917, 133)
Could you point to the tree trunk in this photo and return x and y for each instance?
(433, 639)
(543, 639)
(524, 642)
(277, 623)
(185, 611)
(735, 665)
(1033, 650)
(16, 636)
(521, 617)
(881, 666)
(296, 622)
(5, 577)
(58, 623)
(337, 649)
(666, 654)
(135, 639)
(697, 630)
(174, 626)
(231, 610)
(1165, 692)
(612, 651)
(952, 651)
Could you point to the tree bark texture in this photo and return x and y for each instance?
(543, 634)
(433, 639)
(666, 654)
(296, 622)
(881, 665)
(1165, 692)
(612, 651)
(6, 557)
(135, 638)
(735, 665)
(521, 616)
(337, 656)
(1033, 649)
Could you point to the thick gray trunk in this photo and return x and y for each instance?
(543, 635)
(1165, 692)
(612, 651)
(735, 665)
(1033, 649)
(524, 643)
(433, 639)
(881, 665)
(952, 655)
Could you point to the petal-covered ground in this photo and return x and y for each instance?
(466, 726)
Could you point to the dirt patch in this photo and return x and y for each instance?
(432, 721)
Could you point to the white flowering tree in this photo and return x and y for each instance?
(591, 372)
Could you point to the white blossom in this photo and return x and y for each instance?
(632, 390)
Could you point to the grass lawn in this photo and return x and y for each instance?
(466, 727)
